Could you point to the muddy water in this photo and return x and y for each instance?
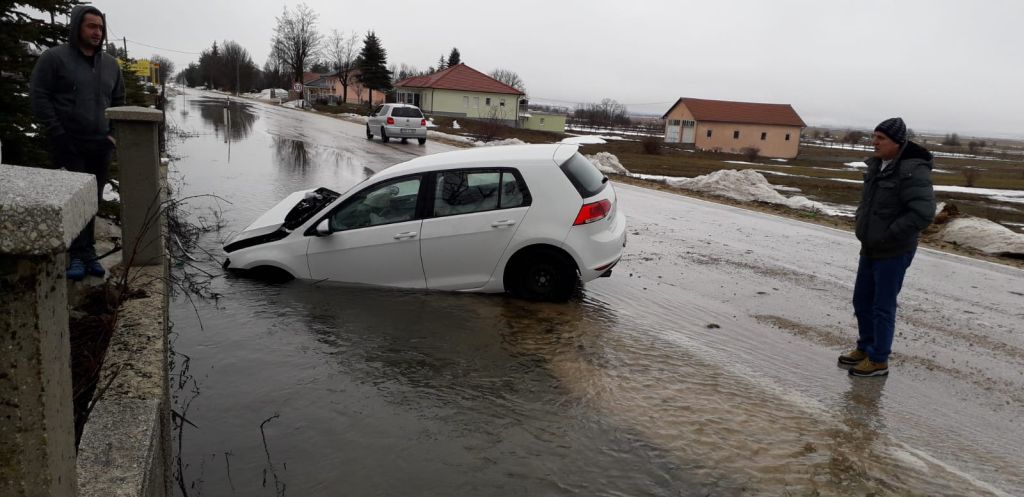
(704, 366)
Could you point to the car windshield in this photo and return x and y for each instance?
(407, 112)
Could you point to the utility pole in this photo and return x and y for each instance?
(124, 42)
(238, 89)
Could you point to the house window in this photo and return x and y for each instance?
(476, 102)
(673, 122)
(787, 136)
(487, 101)
(689, 124)
(709, 133)
(542, 121)
(764, 136)
(736, 135)
(465, 102)
(502, 103)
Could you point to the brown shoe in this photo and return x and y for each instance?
(853, 357)
(867, 367)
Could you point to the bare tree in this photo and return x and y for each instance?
(238, 68)
(510, 78)
(854, 137)
(166, 67)
(341, 49)
(296, 42)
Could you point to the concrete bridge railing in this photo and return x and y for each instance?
(124, 449)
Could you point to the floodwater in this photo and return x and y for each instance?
(704, 366)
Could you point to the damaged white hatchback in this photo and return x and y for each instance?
(532, 220)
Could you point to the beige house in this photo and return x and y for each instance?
(461, 91)
(542, 121)
(724, 126)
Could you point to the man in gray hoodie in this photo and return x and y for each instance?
(72, 86)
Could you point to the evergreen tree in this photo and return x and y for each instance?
(454, 58)
(23, 36)
(373, 66)
(441, 64)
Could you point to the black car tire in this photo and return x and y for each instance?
(543, 275)
(369, 135)
(384, 135)
(405, 140)
(422, 141)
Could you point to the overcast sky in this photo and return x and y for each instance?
(943, 65)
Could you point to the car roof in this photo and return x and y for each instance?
(522, 155)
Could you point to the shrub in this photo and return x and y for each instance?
(971, 174)
(652, 145)
(750, 153)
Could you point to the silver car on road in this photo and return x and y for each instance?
(397, 121)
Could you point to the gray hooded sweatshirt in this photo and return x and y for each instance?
(70, 91)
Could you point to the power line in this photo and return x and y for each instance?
(165, 49)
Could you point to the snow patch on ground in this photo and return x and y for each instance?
(608, 163)
(455, 125)
(584, 140)
(109, 194)
(746, 186)
(780, 160)
(743, 163)
(1014, 196)
(499, 143)
(857, 165)
(984, 235)
(430, 123)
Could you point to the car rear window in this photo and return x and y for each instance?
(407, 112)
(587, 179)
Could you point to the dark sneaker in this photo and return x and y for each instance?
(867, 367)
(853, 357)
(94, 268)
(76, 270)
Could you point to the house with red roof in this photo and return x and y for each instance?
(725, 126)
(461, 91)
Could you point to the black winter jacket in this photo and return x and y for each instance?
(897, 204)
(70, 91)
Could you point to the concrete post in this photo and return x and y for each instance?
(41, 211)
(138, 157)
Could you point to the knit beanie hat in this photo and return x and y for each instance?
(894, 128)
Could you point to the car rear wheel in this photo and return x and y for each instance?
(405, 140)
(422, 140)
(384, 135)
(369, 135)
(543, 275)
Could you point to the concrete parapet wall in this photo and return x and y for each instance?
(125, 448)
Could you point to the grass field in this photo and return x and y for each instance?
(812, 171)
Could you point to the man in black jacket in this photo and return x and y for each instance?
(72, 86)
(898, 202)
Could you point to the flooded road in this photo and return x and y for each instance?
(704, 366)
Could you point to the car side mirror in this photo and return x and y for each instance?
(324, 228)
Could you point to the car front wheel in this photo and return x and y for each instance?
(543, 276)
(369, 135)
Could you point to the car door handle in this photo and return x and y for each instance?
(407, 234)
(502, 224)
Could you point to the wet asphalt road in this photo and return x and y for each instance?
(704, 366)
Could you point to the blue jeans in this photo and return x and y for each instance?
(874, 302)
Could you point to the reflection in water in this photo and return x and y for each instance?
(292, 154)
(239, 122)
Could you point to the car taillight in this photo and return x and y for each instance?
(391, 120)
(423, 122)
(590, 213)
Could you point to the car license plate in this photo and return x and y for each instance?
(408, 131)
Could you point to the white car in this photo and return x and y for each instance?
(532, 220)
(397, 121)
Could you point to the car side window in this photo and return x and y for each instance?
(376, 111)
(512, 194)
(387, 203)
(462, 192)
